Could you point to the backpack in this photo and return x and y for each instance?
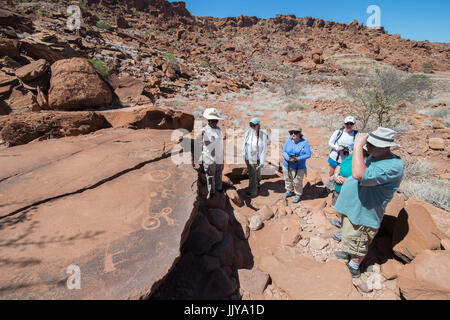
(341, 132)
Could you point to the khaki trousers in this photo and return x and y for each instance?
(292, 182)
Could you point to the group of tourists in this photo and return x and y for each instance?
(363, 175)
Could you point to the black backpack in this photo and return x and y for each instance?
(341, 132)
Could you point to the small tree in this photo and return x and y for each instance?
(377, 93)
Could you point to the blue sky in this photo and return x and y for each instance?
(415, 20)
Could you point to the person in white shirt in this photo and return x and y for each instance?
(212, 151)
(341, 144)
(254, 153)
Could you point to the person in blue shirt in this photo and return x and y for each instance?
(365, 195)
(295, 152)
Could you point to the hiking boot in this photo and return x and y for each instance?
(296, 199)
(337, 236)
(342, 255)
(336, 223)
(288, 194)
(356, 273)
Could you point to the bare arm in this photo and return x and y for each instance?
(358, 165)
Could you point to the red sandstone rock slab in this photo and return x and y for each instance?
(414, 232)
(40, 171)
(303, 278)
(427, 277)
(124, 234)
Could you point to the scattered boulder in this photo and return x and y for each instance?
(254, 281)
(11, 19)
(414, 232)
(21, 128)
(392, 211)
(297, 58)
(234, 196)
(390, 269)
(75, 85)
(436, 143)
(316, 56)
(303, 278)
(9, 47)
(426, 278)
(32, 70)
(265, 213)
(256, 223)
(292, 231)
(317, 243)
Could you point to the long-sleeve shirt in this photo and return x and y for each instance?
(300, 149)
(255, 147)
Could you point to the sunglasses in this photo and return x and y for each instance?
(253, 125)
(350, 123)
(294, 132)
(213, 121)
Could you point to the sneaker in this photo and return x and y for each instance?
(337, 236)
(296, 199)
(356, 273)
(336, 223)
(342, 255)
(288, 194)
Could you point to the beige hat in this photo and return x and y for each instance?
(382, 138)
(211, 114)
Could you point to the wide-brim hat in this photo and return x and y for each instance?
(295, 128)
(211, 114)
(382, 138)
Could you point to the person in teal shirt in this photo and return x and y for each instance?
(364, 196)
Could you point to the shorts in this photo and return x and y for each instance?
(332, 163)
(356, 239)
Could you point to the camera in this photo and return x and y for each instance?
(346, 151)
(293, 157)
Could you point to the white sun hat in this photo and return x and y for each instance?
(350, 119)
(211, 114)
(382, 138)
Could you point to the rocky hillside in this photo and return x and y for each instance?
(168, 51)
(86, 124)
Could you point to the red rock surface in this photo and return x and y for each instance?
(76, 85)
(426, 278)
(110, 203)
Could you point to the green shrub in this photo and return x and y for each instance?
(100, 67)
(102, 25)
(43, 13)
(205, 64)
(170, 56)
(294, 107)
(427, 67)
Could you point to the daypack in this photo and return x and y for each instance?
(341, 132)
